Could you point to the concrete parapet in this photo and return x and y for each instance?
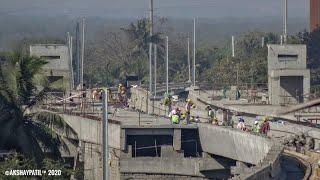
(140, 99)
(169, 152)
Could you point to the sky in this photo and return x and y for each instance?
(166, 8)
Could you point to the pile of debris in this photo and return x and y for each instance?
(299, 142)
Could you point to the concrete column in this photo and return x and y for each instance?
(177, 139)
(206, 155)
(239, 168)
(123, 140)
(275, 91)
(306, 87)
(316, 144)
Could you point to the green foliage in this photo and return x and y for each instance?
(19, 162)
(249, 65)
(121, 54)
(312, 40)
(128, 54)
(49, 165)
(15, 161)
(32, 134)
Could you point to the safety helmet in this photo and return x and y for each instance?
(241, 119)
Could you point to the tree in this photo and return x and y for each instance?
(22, 126)
(249, 65)
(15, 161)
(139, 34)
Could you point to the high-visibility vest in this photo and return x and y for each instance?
(175, 119)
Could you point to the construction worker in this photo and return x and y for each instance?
(183, 116)
(241, 124)
(256, 127)
(192, 119)
(215, 121)
(119, 92)
(168, 101)
(197, 120)
(265, 127)
(224, 92)
(175, 116)
(175, 119)
(124, 96)
(238, 95)
(211, 113)
(188, 106)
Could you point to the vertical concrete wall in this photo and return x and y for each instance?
(140, 99)
(59, 50)
(59, 64)
(91, 130)
(286, 65)
(290, 49)
(306, 86)
(90, 135)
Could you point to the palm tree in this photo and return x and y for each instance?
(139, 34)
(22, 126)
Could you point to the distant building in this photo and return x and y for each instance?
(58, 68)
(314, 14)
(288, 76)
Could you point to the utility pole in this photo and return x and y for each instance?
(194, 52)
(78, 53)
(82, 52)
(70, 59)
(105, 135)
(232, 46)
(167, 64)
(189, 63)
(71, 62)
(262, 42)
(155, 70)
(285, 21)
(237, 75)
(150, 46)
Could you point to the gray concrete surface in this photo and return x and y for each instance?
(288, 76)
(90, 135)
(57, 56)
(233, 144)
(277, 130)
(172, 165)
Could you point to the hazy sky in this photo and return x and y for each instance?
(139, 8)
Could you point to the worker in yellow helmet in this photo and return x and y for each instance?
(188, 106)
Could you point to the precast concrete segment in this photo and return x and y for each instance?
(89, 130)
(233, 144)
